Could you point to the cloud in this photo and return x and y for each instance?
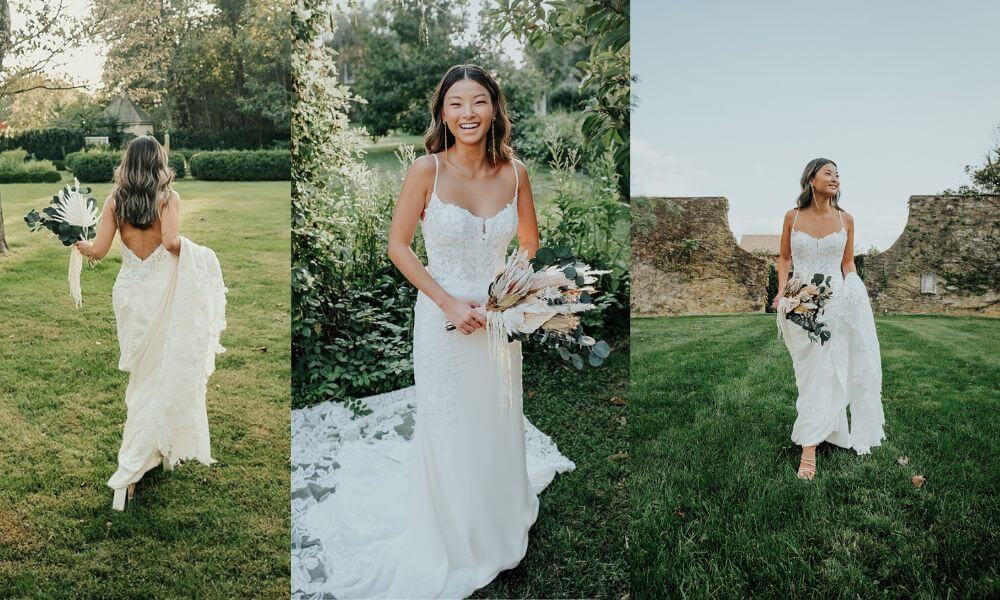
(655, 173)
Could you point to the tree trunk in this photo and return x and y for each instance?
(4, 250)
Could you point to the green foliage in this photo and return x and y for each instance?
(532, 136)
(248, 138)
(242, 165)
(14, 168)
(602, 26)
(772, 287)
(587, 217)
(411, 46)
(48, 144)
(98, 166)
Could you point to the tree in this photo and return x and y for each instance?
(410, 45)
(602, 26)
(30, 51)
(221, 65)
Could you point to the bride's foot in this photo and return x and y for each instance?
(807, 464)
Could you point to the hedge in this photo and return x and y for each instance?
(44, 144)
(52, 176)
(242, 165)
(99, 167)
(236, 139)
(16, 168)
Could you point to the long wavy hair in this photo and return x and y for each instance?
(438, 138)
(806, 195)
(141, 181)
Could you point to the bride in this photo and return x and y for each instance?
(169, 302)
(818, 237)
(441, 514)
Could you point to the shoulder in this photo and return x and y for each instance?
(171, 198)
(520, 169)
(848, 219)
(422, 169)
(790, 215)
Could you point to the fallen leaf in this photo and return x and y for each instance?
(679, 513)
(618, 456)
(623, 420)
(618, 401)
(261, 349)
(903, 460)
(531, 394)
(918, 480)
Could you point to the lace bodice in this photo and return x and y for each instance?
(464, 252)
(811, 255)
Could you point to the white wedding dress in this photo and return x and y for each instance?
(433, 493)
(846, 371)
(170, 312)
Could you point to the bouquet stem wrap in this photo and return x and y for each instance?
(75, 268)
(499, 348)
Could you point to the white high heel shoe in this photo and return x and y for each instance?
(121, 495)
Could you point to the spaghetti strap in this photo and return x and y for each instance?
(437, 167)
(840, 214)
(517, 179)
(795, 218)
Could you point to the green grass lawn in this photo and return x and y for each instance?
(577, 547)
(717, 510)
(198, 531)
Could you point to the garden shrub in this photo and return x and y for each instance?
(14, 168)
(530, 136)
(99, 166)
(242, 165)
(238, 139)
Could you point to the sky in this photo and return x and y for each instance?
(734, 98)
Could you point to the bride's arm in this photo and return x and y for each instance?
(409, 208)
(170, 223)
(847, 263)
(105, 233)
(784, 255)
(527, 220)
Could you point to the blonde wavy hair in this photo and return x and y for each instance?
(142, 182)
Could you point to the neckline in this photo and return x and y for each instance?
(472, 214)
(841, 230)
(148, 257)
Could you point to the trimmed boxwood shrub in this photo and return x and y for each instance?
(51, 176)
(242, 165)
(99, 167)
(15, 168)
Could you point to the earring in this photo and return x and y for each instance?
(445, 132)
(493, 140)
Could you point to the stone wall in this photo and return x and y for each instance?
(955, 239)
(686, 260)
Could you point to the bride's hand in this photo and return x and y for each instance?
(464, 316)
(83, 247)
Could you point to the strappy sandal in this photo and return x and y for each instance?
(807, 468)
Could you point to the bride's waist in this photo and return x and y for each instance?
(466, 285)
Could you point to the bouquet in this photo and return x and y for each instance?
(802, 303)
(540, 300)
(72, 216)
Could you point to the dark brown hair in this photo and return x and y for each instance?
(141, 182)
(438, 138)
(806, 195)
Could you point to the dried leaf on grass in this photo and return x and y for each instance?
(903, 460)
(618, 401)
(618, 456)
(918, 480)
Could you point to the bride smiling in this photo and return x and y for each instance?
(440, 514)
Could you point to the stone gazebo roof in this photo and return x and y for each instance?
(127, 113)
